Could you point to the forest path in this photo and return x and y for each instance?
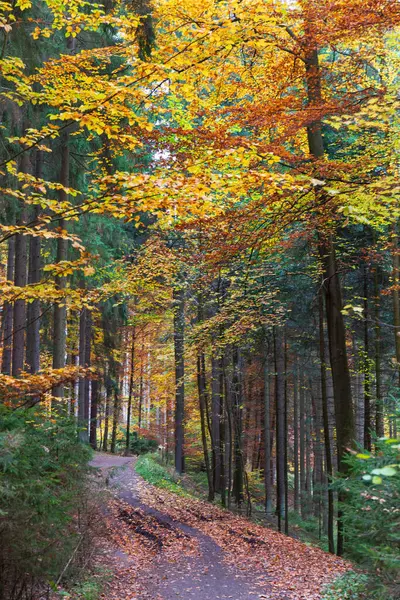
(168, 547)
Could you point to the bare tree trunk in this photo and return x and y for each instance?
(116, 412)
(108, 386)
(317, 451)
(88, 359)
(20, 280)
(237, 392)
(93, 413)
(229, 432)
(336, 327)
(82, 424)
(396, 310)
(325, 418)
(296, 440)
(8, 313)
(307, 499)
(286, 409)
(179, 328)
(201, 386)
(367, 380)
(222, 421)
(141, 388)
(130, 392)
(379, 424)
(60, 310)
(215, 421)
(303, 504)
(280, 424)
(34, 274)
(19, 317)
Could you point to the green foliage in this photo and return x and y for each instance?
(152, 471)
(372, 508)
(350, 586)
(43, 473)
(89, 588)
(142, 445)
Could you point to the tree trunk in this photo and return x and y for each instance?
(336, 328)
(222, 421)
(237, 393)
(308, 494)
(302, 449)
(88, 357)
(179, 328)
(93, 413)
(215, 421)
(325, 418)
(317, 451)
(60, 311)
(108, 386)
(367, 381)
(20, 280)
(141, 388)
(82, 423)
(34, 274)
(130, 392)
(379, 424)
(280, 424)
(396, 310)
(8, 313)
(296, 440)
(116, 411)
(201, 386)
(19, 317)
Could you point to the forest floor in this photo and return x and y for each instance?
(163, 546)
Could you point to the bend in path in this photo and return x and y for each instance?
(207, 570)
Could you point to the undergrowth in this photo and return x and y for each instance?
(46, 502)
(350, 586)
(153, 472)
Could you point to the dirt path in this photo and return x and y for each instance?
(200, 577)
(168, 548)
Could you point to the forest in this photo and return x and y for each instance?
(200, 299)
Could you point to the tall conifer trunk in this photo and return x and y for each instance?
(179, 329)
(336, 328)
(367, 377)
(302, 466)
(93, 413)
(280, 424)
(237, 433)
(201, 386)
(130, 391)
(8, 312)
(20, 280)
(379, 424)
(33, 313)
(60, 310)
(325, 419)
(296, 439)
(215, 420)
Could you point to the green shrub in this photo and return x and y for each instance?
(43, 474)
(158, 475)
(350, 586)
(372, 509)
(142, 445)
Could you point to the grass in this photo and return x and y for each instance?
(89, 588)
(152, 471)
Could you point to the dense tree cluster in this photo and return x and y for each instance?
(199, 236)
